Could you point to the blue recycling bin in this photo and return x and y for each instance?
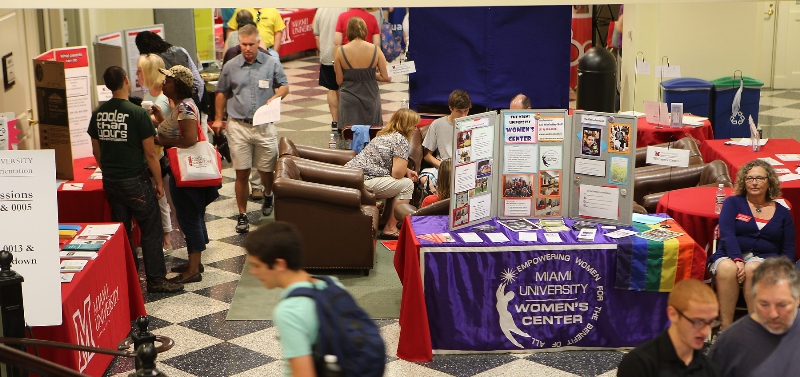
(695, 94)
(726, 124)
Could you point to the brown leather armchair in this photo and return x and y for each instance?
(687, 142)
(331, 156)
(439, 208)
(334, 175)
(326, 206)
(649, 186)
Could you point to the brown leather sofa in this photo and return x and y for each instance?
(325, 203)
(687, 142)
(649, 186)
(439, 208)
(331, 156)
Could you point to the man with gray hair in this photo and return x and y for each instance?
(767, 341)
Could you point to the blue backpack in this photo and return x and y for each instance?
(345, 330)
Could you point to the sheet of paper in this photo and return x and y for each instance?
(470, 237)
(667, 156)
(585, 166)
(694, 121)
(100, 230)
(480, 207)
(517, 207)
(550, 129)
(663, 71)
(497, 237)
(642, 67)
(789, 177)
(482, 142)
(620, 233)
(782, 171)
(528, 237)
(745, 142)
(268, 113)
(770, 161)
(520, 158)
(403, 68)
(519, 128)
(465, 177)
(74, 186)
(550, 157)
(598, 120)
(656, 113)
(788, 156)
(646, 219)
(598, 201)
(553, 237)
(632, 113)
(587, 234)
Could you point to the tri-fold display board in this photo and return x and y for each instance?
(542, 164)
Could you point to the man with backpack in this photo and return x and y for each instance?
(316, 318)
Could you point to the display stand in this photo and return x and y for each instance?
(603, 166)
(127, 40)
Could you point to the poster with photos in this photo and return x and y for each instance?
(473, 180)
(518, 185)
(548, 207)
(619, 138)
(591, 137)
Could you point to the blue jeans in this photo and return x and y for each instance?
(136, 197)
(190, 210)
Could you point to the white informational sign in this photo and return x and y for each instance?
(598, 120)
(465, 176)
(519, 128)
(642, 67)
(656, 113)
(598, 201)
(103, 93)
(403, 68)
(673, 71)
(482, 143)
(586, 166)
(497, 237)
(114, 39)
(550, 129)
(132, 52)
(667, 156)
(27, 200)
(269, 113)
(79, 96)
(516, 207)
(520, 158)
(470, 237)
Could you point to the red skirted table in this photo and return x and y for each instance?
(516, 295)
(97, 308)
(88, 204)
(648, 134)
(299, 34)
(736, 156)
(693, 209)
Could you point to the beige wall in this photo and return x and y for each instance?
(707, 40)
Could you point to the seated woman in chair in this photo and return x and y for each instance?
(752, 227)
(385, 164)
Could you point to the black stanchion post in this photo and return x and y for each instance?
(141, 337)
(146, 355)
(12, 312)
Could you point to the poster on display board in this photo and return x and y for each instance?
(474, 170)
(132, 52)
(603, 160)
(532, 163)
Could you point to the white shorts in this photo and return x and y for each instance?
(388, 187)
(252, 146)
(432, 174)
(748, 258)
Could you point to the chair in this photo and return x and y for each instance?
(331, 156)
(415, 160)
(439, 208)
(325, 203)
(649, 186)
(687, 142)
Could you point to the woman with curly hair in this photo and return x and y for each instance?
(752, 227)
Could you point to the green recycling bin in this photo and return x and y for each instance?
(726, 122)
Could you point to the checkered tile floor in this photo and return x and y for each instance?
(207, 345)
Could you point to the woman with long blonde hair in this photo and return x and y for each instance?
(385, 164)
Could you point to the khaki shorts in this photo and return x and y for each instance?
(388, 187)
(748, 258)
(253, 146)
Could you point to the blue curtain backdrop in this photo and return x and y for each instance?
(493, 53)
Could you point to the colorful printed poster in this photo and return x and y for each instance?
(619, 170)
(550, 129)
(519, 128)
(619, 138)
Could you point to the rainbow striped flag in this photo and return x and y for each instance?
(645, 265)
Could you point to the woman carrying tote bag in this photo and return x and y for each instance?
(180, 130)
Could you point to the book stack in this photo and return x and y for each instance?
(83, 247)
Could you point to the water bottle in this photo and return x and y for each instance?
(332, 368)
(720, 198)
(404, 104)
(332, 142)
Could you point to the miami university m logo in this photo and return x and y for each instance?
(83, 332)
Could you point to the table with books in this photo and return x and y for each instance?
(100, 295)
(510, 286)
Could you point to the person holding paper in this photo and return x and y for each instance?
(752, 227)
(180, 130)
(246, 83)
(358, 65)
(122, 143)
(385, 164)
(438, 143)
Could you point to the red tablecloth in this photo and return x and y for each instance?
(693, 209)
(736, 156)
(97, 308)
(648, 134)
(298, 35)
(86, 205)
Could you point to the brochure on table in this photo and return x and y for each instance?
(474, 173)
(27, 199)
(603, 160)
(531, 164)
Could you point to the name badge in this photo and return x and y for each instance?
(743, 217)
(263, 84)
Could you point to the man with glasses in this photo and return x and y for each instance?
(767, 341)
(693, 311)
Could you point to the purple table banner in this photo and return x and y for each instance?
(532, 297)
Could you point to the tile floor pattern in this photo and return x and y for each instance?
(208, 345)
